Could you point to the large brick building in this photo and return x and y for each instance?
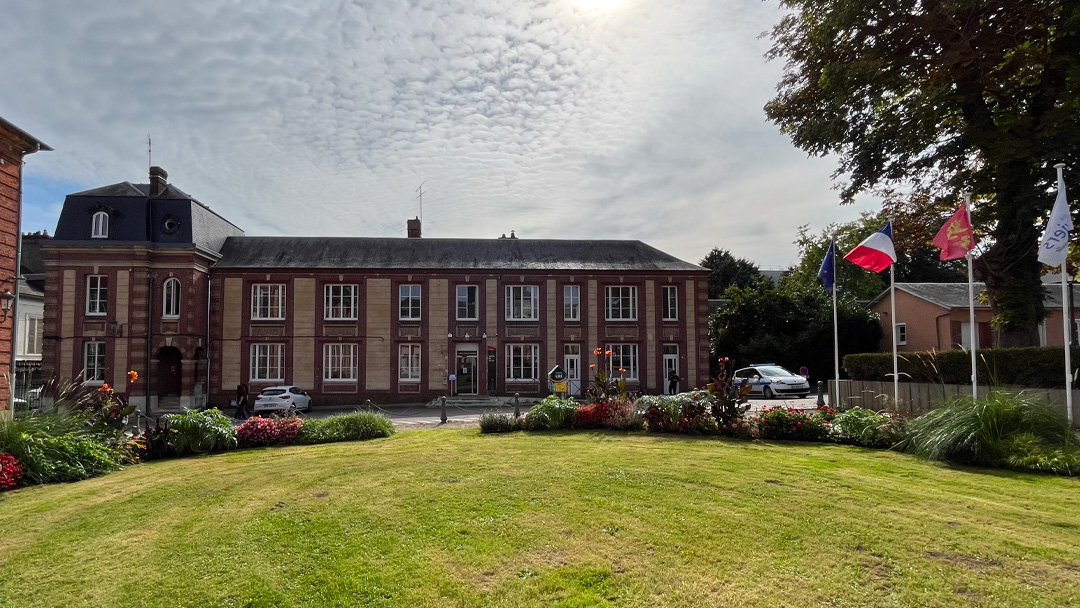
(14, 145)
(349, 319)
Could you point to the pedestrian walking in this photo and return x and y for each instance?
(673, 382)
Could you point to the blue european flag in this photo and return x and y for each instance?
(827, 266)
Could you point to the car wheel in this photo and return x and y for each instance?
(767, 392)
(307, 406)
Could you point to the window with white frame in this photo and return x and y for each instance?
(522, 361)
(33, 335)
(170, 296)
(267, 362)
(409, 363)
(97, 295)
(671, 303)
(901, 334)
(409, 302)
(623, 357)
(341, 302)
(94, 362)
(339, 362)
(268, 302)
(522, 302)
(571, 302)
(100, 229)
(467, 296)
(621, 303)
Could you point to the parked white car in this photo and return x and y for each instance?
(281, 398)
(769, 380)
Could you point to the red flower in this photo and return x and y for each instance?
(10, 472)
(133, 376)
(104, 388)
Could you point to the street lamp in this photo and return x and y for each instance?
(7, 300)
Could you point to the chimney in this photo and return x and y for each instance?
(414, 228)
(159, 180)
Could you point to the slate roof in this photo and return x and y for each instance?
(135, 216)
(130, 189)
(955, 295)
(445, 254)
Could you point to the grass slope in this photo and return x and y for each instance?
(452, 518)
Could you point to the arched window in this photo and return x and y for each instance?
(101, 225)
(171, 296)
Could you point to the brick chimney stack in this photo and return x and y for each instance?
(159, 180)
(414, 228)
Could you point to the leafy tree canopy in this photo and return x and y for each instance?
(917, 260)
(791, 326)
(725, 270)
(926, 97)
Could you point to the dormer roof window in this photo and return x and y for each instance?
(100, 225)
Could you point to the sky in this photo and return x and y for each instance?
(606, 119)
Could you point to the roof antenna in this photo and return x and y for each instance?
(149, 154)
(421, 197)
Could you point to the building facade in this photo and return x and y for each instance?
(352, 319)
(935, 316)
(15, 144)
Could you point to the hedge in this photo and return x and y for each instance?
(1035, 367)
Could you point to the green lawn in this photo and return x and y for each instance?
(454, 518)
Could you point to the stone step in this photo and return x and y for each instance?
(481, 401)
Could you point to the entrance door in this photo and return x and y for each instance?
(467, 376)
(671, 364)
(572, 363)
(168, 371)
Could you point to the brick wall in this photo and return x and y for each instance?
(10, 188)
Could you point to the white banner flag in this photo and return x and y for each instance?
(1055, 241)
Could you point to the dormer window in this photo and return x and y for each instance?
(101, 225)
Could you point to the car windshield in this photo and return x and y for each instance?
(774, 370)
(273, 391)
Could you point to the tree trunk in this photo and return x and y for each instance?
(1010, 267)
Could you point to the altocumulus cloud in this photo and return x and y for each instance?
(640, 121)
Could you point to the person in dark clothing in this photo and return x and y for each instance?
(672, 383)
(242, 402)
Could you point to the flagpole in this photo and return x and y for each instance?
(1065, 314)
(895, 366)
(835, 325)
(971, 308)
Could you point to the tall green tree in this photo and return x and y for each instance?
(932, 96)
(917, 260)
(791, 326)
(725, 270)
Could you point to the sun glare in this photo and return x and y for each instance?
(598, 5)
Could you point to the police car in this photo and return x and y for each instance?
(770, 380)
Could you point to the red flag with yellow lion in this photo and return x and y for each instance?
(956, 238)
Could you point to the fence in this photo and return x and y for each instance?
(920, 397)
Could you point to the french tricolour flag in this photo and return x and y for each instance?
(876, 252)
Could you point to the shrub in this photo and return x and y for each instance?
(695, 413)
(10, 472)
(54, 446)
(790, 423)
(593, 415)
(355, 426)
(623, 416)
(491, 422)
(660, 412)
(992, 430)
(1027, 451)
(1006, 366)
(552, 413)
(195, 432)
(275, 430)
(859, 426)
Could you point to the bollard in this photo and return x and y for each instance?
(820, 393)
(443, 416)
(517, 408)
